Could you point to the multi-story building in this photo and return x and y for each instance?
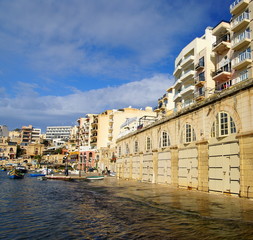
(58, 132)
(165, 103)
(15, 136)
(241, 27)
(193, 68)
(8, 149)
(30, 135)
(222, 56)
(4, 132)
(113, 119)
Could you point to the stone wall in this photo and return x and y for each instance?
(209, 146)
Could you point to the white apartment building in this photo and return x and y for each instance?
(241, 44)
(193, 68)
(165, 103)
(58, 132)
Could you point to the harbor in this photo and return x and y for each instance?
(116, 209)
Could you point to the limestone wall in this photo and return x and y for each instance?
(208, 147)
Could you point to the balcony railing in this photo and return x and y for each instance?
(224, 38)
(241, 40)
(239, 19)
(238, 5)
(242, 57)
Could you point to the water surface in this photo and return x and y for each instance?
(113, 209)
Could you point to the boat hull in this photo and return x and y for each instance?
(37, 175)
(91, 178)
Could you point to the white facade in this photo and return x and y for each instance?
(185, 72)
(60, 132)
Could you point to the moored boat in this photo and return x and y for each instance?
(37, 175)
(15, 174)
(91, 178)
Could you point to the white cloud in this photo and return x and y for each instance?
(52, 109)
(84, 35)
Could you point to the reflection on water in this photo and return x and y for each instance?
(112, 209)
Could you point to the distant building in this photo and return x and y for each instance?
(4, 132)
(30, 135)
(58, 132)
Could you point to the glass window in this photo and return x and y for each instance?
(188, 134)
(136, 146)
(223, 125)
(148, 144)
(119, 152)
(127, 149)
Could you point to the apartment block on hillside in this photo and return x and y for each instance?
(29, 134)
(58, 132)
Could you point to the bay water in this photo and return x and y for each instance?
(118, 209)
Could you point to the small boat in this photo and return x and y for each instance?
(91, 178)
(22, 169)
(3, 169)
(37, 175)
(15, 174)
(42, 178)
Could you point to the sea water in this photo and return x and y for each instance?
(117, 209)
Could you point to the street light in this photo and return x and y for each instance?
(47, 162)
(66, 165)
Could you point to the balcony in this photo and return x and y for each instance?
(222, 44)
(188, 74)
(222, 75)
(200, 81)
(200, 66)
(240, 22)
(188, 89)
(187, 61)
(241, 41)
(177, 96)
(177, 71)
(199, 95)
(177, 83)
(243, 60)
(238, 6)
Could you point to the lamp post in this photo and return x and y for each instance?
(66, 165)
(47, 163)
(80, 165)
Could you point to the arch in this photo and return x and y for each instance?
(223, 125)
(148, 143)
(188, 133)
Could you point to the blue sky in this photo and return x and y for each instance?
(60, 60)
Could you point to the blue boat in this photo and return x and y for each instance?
(15, 174)
(37, 175)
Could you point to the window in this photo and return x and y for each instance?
(223, 125)
(202, 62)
(127, 149)
(202, 77)
(148, 144)
(188, 134)
(136, 146)
(119, 152)
(164, 140)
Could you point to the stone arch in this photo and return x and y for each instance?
(189, 121)
(224, 108)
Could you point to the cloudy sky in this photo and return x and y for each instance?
(62, 59)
